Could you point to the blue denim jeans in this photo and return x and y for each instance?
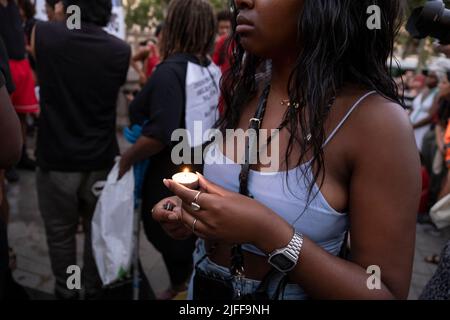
(246, 286)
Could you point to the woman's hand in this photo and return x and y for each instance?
(170, 220)
(230, 217)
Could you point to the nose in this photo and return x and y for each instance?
(244, 4)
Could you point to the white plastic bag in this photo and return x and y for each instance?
(112, 227)
(440, 213)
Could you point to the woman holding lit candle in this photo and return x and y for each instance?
(341, 125)
(181, 90)
(187, 179)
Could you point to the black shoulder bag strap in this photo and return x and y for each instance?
(251, 142)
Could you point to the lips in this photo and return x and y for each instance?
(244, 25)
(242, 20)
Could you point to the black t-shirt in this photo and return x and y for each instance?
(11, 30)
(80, 72)
(4, 68)
(179, 92)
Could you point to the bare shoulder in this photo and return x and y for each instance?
(381, 130)
(383, 121)
(376, 111)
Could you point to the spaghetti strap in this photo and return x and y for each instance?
(348, 114)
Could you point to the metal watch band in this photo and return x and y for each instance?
(295, 246)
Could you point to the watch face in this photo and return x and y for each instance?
(282, 262)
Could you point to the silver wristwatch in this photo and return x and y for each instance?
(285, 259)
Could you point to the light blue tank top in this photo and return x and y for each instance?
(313, 217)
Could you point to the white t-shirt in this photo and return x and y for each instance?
(421, 110)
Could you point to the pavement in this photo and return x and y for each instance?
(27, 237)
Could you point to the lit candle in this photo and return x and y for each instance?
(187, 179)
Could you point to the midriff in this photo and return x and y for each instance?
(256, 267)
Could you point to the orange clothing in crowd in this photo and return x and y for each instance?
(447, 145)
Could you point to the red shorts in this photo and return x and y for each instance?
(24, 97)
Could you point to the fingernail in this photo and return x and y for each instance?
(166, 183)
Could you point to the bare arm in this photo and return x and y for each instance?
(10, 132)
(384, 195)
(439, 131)
(33, 43)
(426, 121)
(140, 56)
(384, 186)
(134, 64)
(144, 148)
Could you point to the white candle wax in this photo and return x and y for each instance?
(187, 179)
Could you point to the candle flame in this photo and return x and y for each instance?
(186, 170)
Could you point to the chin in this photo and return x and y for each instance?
(255, 48)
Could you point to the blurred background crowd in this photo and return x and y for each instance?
(422, 75)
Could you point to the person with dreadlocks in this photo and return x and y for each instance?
(347, 161)
(183, 89)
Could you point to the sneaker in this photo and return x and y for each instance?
(12, 176)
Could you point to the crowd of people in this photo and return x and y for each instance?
(427, 98)
(246, 233)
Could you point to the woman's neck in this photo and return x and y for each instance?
(281, 71)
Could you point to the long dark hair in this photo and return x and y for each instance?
(337, 47)
(190, 27)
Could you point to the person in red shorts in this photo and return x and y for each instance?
(23, 98)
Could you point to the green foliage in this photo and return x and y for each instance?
(146, 12)
(219, 4)
(140, 12)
